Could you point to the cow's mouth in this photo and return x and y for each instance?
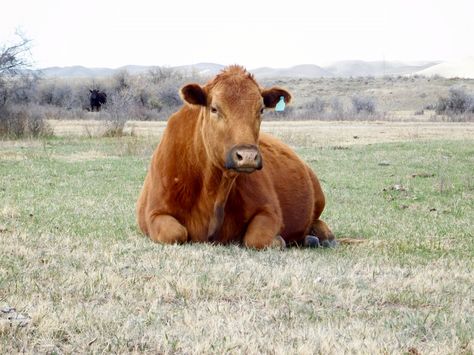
(246, 170)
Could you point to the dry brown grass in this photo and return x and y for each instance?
(83, 156)
(201, 299)
(312, 133)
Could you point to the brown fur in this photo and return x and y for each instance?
(188, 195)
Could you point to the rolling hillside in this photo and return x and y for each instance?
(348, 68)
(456, 69)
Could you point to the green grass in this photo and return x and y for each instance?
(74, 263)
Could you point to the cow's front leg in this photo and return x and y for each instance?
(166, 229)
(263, 231)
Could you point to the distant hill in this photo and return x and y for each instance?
(299, 71)
(355, 68)
(76, 71)
(457, 69)
(201, 68)
(346, 68)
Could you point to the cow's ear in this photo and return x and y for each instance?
(272, 96)
(194, 94)
(90, 91)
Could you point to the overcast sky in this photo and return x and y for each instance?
(252, 33)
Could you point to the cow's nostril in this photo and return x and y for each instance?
(244, 158)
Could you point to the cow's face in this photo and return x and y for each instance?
(232, 107)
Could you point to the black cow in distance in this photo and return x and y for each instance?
(97, 99)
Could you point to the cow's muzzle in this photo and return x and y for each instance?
(244, 158)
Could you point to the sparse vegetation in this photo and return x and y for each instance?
(332, 109)
(389, 97)
(458, 105)
(16, 90)
(363, 104)
(154, 96)
(22, 121)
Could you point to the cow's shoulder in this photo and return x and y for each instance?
(272, 146)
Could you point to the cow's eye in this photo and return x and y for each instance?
(213, 109)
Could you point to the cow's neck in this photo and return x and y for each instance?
(217, 185)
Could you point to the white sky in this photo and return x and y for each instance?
(253, 33)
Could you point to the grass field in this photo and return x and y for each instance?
(76, 275)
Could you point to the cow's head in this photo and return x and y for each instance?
(232, 105)
(94, 94)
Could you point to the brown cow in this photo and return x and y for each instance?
(215, 178)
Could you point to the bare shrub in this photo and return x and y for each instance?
(157, 75)
(331, 109)
(23, 88)
(457, 102)
(15, 57)
(12, 124)
(337, 109)
(150, 96)
(290, 113)
(56, 93)
(118, 110)
(167, 96)
(363, 104)
(22, 121)
(457, 107)
(316, 105)
(17, 92)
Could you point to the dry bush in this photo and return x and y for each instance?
(118, 110)
(331, 109)
(20, 116)
(150, 96)
(458, 106)
(22, 121)
(66, 94)
(363, 104)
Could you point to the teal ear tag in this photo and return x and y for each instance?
(280, 106)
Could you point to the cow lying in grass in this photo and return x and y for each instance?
(216, 178)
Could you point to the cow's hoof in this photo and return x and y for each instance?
(311, 241)
(329, 243)
(278, 243)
